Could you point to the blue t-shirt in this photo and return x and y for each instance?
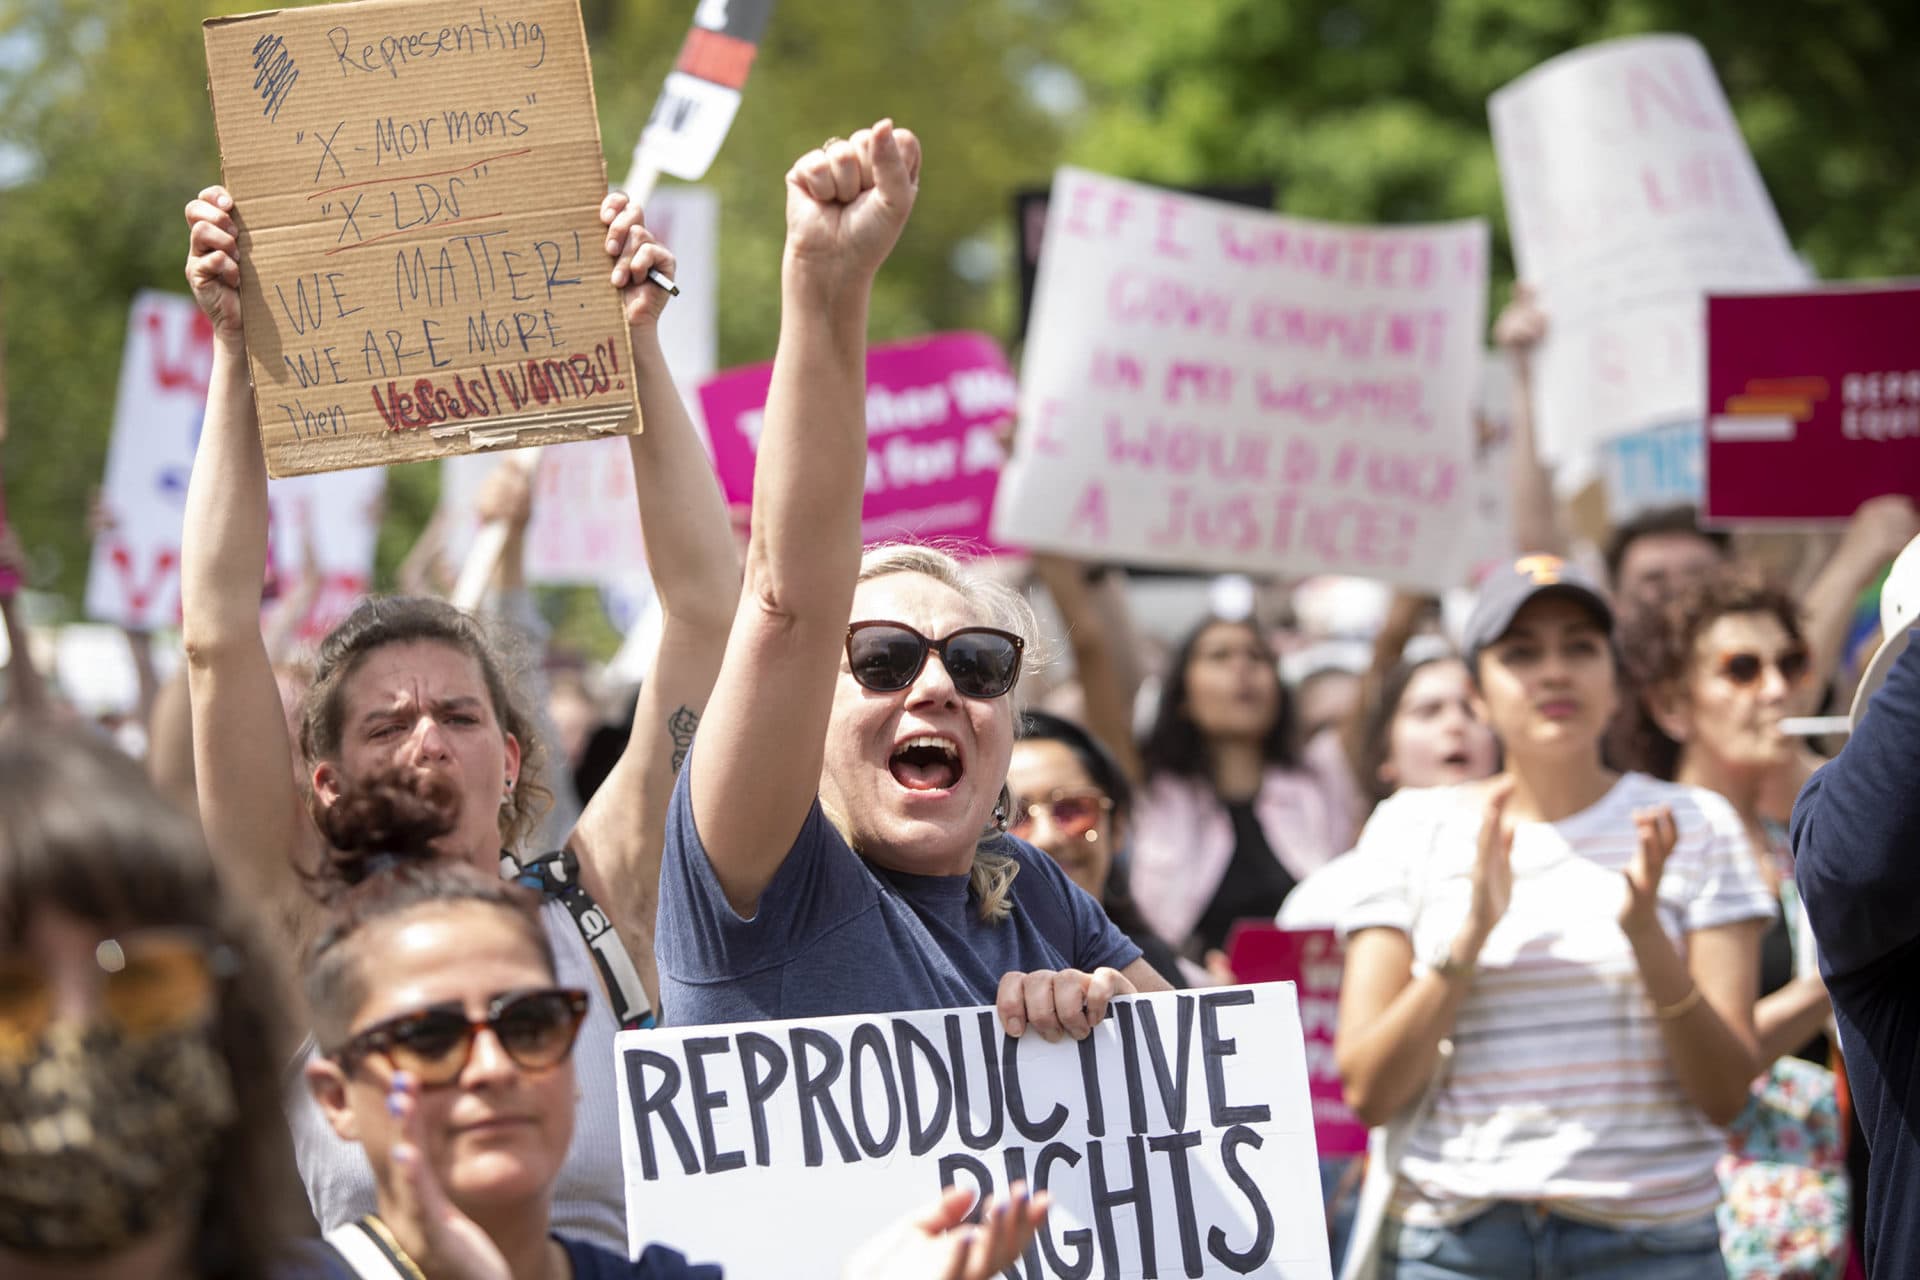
(656, 1262)
(835, 934)
(318, 1260)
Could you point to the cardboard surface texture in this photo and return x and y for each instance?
(417, 187)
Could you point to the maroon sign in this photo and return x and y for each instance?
(1813, 403)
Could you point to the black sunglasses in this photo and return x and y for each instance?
(1745, 668)
(536, 1028)
(886, 657)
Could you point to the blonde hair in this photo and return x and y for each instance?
(991, 877)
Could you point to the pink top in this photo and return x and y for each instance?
(1183, 836)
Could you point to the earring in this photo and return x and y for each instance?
(1091, 835)
(506, 797)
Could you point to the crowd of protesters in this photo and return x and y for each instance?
(369, 921)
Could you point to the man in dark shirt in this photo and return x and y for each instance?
(1856, 844)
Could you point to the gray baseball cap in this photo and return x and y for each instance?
(1507, 590)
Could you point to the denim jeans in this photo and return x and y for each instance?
(1526, 1242)
(1340, 1194)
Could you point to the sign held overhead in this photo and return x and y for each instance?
(417, 189)
(1210, 387)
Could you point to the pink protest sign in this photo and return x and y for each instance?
(933, 456)
(1210, 387)
(1813, 402)
(9, 580)
(1311, 959)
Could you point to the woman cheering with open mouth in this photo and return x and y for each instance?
(834, 844)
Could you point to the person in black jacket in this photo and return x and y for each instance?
(1856, 844)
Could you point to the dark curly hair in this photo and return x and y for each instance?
(384, 620)
(1656, 653)
(83, 832)
(381, 865)
(1175, 745)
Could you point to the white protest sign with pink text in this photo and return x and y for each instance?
(1631, 195)
(1176, 1140)
(1214, 388)
(326, 523)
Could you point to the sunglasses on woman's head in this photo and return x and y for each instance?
(982, 662)
(1073, 813)
(535, 1028)
(152, 981)
(1744, 669)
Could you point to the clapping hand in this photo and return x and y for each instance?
(1657, 835)
(443, 1240)
(935, 1246)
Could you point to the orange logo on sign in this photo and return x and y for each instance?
(1544, 570)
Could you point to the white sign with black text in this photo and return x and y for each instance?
(1177, 1140)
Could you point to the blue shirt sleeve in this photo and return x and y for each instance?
(656, 1262)
(1856, 831)
(700, 938)
(1092, 940)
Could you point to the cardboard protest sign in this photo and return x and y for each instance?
(1631, 194)
(1176, 1139)
(1658, 467)
(417, 188)
(584, 527)
(933, 457)
(1311, 959)
(1814, 403)
(1211, 388)
(697, 104)
(1030, 230)
(133, 578)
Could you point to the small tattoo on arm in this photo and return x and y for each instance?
(680, 727)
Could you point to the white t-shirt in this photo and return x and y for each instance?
(1560, 1089)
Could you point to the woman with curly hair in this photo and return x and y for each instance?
(1712, 672)
(416, 682)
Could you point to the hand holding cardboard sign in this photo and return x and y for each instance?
(848, 200)
(213, 261)
(636, 254)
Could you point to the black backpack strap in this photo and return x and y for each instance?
(556, 877)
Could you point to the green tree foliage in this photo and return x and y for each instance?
(105, 103)
(1376, 109)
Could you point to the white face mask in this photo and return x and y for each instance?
(105, 1137)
